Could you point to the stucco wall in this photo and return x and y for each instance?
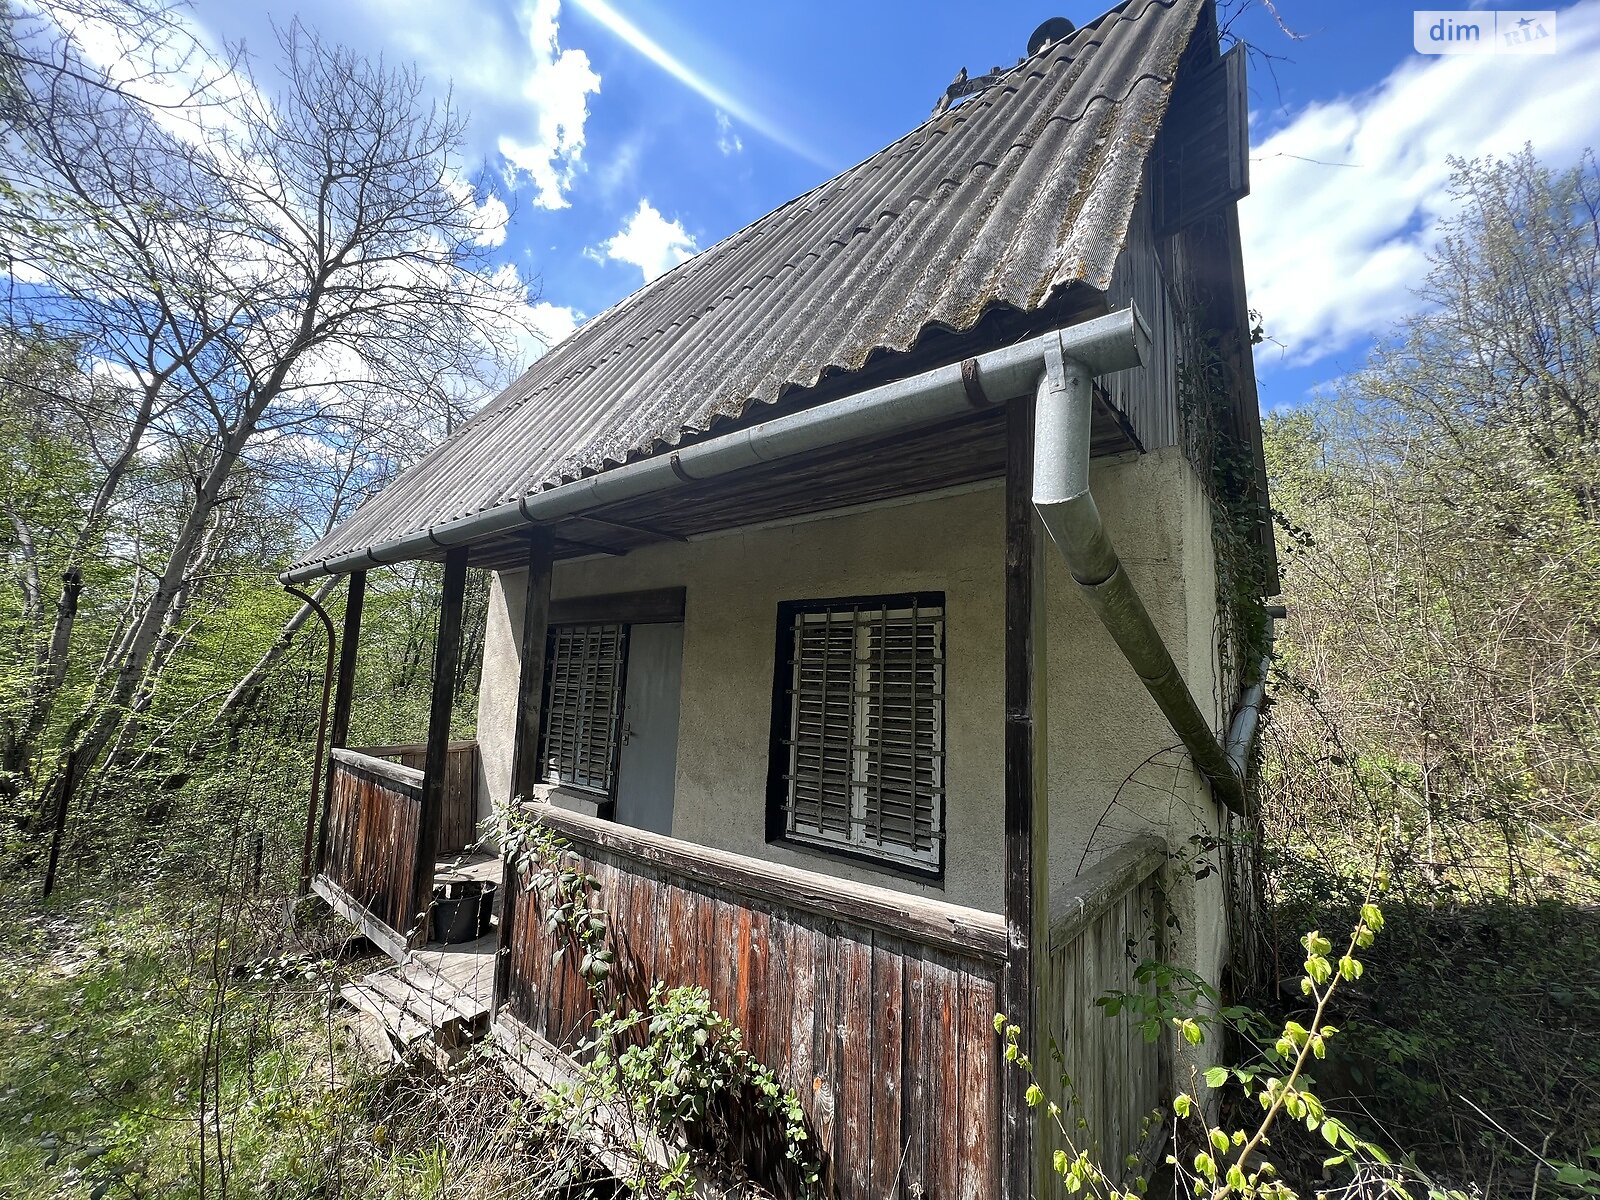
(1108, 774)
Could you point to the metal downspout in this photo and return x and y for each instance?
(306, 865)
(1242, 734)
(1067, 508)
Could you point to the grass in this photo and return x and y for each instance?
(1470, 1043)
(164, 1049)
(175, 1040)
(132, 1040)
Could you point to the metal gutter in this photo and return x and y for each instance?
(1104, 344)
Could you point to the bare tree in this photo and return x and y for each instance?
(253, 273)
(1444, 597)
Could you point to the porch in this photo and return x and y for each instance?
(376, 861)
(873, 1003)
(876, 1007)
(864, 955)
(436, 994)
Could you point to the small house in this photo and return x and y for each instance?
(864, 617)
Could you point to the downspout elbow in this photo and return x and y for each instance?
(1067, 509)
(1246, 727)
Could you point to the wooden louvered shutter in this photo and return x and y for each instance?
(583, 705)
(865, 736)
(821, 724)
(904, 779)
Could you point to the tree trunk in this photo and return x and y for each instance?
(50, 672)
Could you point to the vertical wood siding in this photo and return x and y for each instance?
(887, 1037)
(1101, 931)
(458, 822)
(373, 818)
(1149, 397)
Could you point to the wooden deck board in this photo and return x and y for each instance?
(402, 1028)
(462, 975)
(439, 993)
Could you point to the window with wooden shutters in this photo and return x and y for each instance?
(860, 734)
(583, 703)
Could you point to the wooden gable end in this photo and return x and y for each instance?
(1203, 156)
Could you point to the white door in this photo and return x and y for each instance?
(648, 761)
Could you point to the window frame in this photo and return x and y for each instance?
(777, 822)
(606, 795)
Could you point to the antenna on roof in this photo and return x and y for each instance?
(1048, 34)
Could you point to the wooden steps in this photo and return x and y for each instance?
(401, 1028)
(436, 1003)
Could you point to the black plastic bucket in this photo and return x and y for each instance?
(462, 908)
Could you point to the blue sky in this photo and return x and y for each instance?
(624, 134)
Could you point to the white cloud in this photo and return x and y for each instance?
(650, 242)
(488, 219)
(533, 326)
(619, 172)
(1333, 251)
(553, 322)
(728, 139)
(698, 81)
(558, 87)
(500, 62)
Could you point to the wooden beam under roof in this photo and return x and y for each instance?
(968, 450)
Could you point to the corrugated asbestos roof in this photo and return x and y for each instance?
(1003, 201)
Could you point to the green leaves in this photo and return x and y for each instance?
(1318, 969)
(690, 1057)
(1587, 1182)
(689, 1060)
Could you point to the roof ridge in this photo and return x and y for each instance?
(875, 162)
(998, 203)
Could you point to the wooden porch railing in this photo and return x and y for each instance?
(1102, 925)
(369, 858)
(370, 855)
(876, 1007)
(458, 821)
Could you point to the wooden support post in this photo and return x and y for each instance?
(343, 697)
(530, 723)
(446, 657)
(1027, 835)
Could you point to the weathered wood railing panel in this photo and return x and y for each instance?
(458, 822)
(1102, 925)
(374, 812)
(876, 1007)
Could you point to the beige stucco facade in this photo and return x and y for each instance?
(1113, 769)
